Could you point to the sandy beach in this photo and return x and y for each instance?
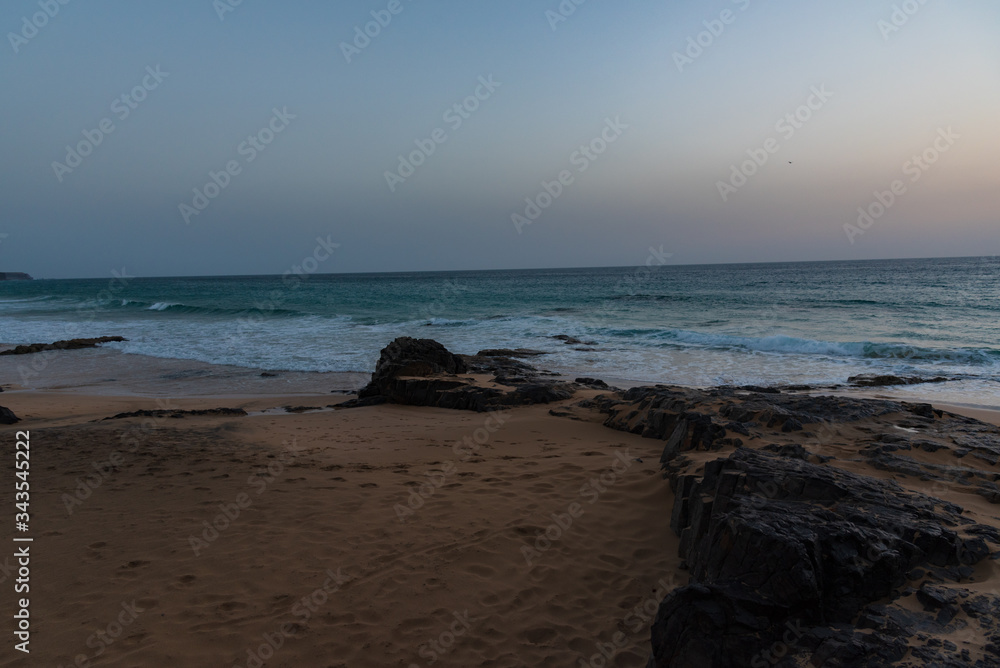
(321, 494)
(375, 536)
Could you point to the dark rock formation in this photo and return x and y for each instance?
(507, 352)
(7, 416)
(179, 413)
(505, 370)
(784, 555)
(572, 340)
(410, 357)
(870, 380)
(691, 419)
(774, 410)
(796, 562)
(422, 372)
(14, 276)
(71, 344)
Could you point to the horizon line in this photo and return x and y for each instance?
(466, 271)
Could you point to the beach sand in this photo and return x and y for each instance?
(380, 536)
(327, 507)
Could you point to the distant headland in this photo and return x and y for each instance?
(14, 276)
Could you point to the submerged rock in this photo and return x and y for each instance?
(507, 352)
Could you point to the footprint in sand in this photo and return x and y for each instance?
(482, 570)
(643, 553)
(539, 636)
(527, 530)
(413, 624)
(614, 561)
(434, 584)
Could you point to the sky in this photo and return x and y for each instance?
(228, 137)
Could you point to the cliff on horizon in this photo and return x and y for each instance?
(14, 276)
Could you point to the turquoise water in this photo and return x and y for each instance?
(692, 325)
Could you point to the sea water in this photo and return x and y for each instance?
(792, 323)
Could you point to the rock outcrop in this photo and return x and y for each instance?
(422, 372)
(71, 344)
(177, 413)
(7, 416)
(870, 380)
(786, 555)
(794, 560)
(710, 420)
(410, 357)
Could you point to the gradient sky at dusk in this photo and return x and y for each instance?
(324, 175)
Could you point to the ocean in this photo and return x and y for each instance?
(741, 324)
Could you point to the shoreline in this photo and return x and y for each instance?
(136, 375)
